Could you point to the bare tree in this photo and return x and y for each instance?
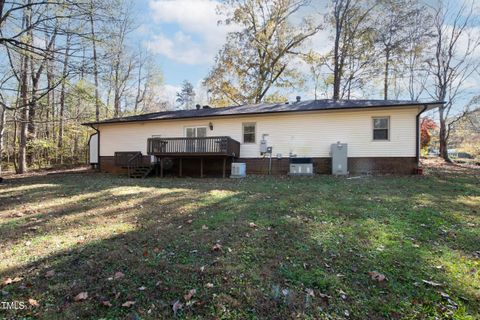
(419, 37)
(349, 18)
(452, 65)
(395, 17)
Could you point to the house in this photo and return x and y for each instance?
(382, 137)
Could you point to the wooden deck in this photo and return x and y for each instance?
(201, 148)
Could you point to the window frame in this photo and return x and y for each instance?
(194, 127)
(244, 124)
(388, 128)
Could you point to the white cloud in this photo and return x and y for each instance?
(180, 47)
(199, 37)
(169, 93)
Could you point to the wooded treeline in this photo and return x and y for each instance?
(63, 63)
(390, 49)
(67, 62)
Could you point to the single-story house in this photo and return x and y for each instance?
(382, 137)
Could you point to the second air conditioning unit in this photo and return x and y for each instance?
(301, 167)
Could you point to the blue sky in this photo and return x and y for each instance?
(184, 37)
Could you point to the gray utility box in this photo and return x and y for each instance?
(339, 159)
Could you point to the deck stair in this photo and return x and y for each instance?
(140, 171)
(137, 168)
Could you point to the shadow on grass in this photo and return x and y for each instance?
(323, 234)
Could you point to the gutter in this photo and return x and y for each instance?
(425, 107)
(98, 144)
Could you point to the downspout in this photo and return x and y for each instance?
(98, 145)
(418, 135)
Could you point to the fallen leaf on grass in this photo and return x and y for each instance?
(118, 275)
(190, 221)
(128, 304)
(177, 305)
(217, 247)
(377, 276)
(432, 283)
(33, 302)
(325, 297)
(252, 225)
(106, 304)
(81, 296)
(49, 273)
(10, 280)
(209, 285)
(190, 294)
(310, 292)
(204, 227)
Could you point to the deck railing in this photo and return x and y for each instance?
(223, 146)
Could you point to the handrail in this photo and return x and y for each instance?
(217, 145)
(134, 162)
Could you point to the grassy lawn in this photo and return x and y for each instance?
(258, 248)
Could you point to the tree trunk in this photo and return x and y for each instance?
(2, 131)
(95, 66)
(336, 67)
(116, 89)
(2, 3)
(386, 74)
(22, 147)
(61, 128)
(443, 138)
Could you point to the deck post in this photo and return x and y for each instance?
(224, 166)
(161, 167)
(201, 167)
(180, 167)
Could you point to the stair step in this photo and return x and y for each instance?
(141, 172)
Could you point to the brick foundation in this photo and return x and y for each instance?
(213, 166)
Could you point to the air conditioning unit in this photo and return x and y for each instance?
(301, 167)
(239, 170)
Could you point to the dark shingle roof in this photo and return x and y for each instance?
(265, 108)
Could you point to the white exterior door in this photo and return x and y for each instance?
(197, 145)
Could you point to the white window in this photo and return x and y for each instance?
(249, 130)
(381, 128)
(196, 132)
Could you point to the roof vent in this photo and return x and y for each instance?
(206, 107)
(299, 98)
(198, 106)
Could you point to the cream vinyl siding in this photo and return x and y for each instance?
(306, 134)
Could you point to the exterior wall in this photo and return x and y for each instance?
(306, 134)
